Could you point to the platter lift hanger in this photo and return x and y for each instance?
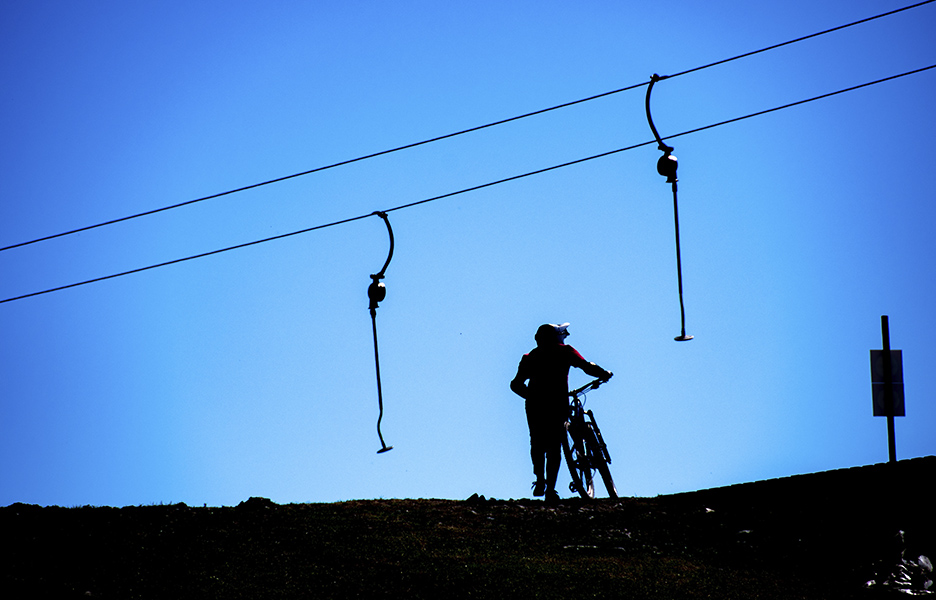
(376, 292)
(666, 166)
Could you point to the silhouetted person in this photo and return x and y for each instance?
(547, 400)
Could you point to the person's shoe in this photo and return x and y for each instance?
(552, 497)
(539, 487)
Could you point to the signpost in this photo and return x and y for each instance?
(887, 391)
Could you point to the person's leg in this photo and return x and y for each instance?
(538, 456)
(553, 461)
(553, 451)
(537, 450)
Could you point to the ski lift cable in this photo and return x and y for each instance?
(470, 189)
(454, 134)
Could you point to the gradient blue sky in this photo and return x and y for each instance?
(251, 373)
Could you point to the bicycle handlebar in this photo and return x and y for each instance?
(591, 385)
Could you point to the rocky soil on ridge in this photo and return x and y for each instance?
(823, 535)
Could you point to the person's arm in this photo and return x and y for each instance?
(518, 384)
(596, 371)
(589, 367)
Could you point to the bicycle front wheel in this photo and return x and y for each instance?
(597, 460)
(576, 457)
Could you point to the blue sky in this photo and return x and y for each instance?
(251, 373)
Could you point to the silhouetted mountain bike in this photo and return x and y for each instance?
(584, 449)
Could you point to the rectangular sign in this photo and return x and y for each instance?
(878, 383)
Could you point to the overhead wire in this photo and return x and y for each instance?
(805, 37)
(323, 168)
(454, 134)
(469, 189)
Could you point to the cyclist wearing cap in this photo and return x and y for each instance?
(546, 367)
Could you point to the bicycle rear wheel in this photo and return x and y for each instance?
(576, 457)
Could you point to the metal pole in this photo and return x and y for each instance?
(888, 391)
(682, 307)
(383, 446)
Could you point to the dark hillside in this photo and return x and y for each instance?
(810, 536)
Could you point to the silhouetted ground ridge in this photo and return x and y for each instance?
(822, 535)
